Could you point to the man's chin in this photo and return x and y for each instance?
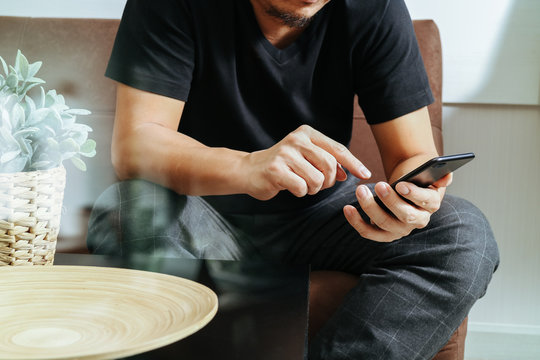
(289, 19)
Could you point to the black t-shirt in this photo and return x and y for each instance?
(243, 93)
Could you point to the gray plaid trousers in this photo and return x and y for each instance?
(412, 294)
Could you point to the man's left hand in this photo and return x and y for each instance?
(404, 216)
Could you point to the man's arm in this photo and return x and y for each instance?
(404, 143)
(146, 144)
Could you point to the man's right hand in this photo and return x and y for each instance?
(304, 162)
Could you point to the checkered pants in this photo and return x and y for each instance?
(412, 294)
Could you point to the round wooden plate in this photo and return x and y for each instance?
(83, 312)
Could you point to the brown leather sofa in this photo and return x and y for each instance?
(74, 54)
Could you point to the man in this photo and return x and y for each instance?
(245, 106)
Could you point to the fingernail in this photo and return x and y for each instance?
(402, 189)
(363, 191)
(365, 172)
(349, 211)
(384, 192)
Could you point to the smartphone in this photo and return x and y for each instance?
(435, 169)
(429, 172)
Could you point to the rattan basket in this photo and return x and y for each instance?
(30, 209)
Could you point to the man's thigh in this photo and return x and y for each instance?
(322, 237)
(137, 216)
(319, 235)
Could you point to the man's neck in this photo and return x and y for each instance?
(276, 32)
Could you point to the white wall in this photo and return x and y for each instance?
(503, 182)
(108, 9)
(491, 49)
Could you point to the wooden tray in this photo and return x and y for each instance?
(83, 312)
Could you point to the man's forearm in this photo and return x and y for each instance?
(174, 160)
(304, 162)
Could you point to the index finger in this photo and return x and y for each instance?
(341, 153)
(425, 198)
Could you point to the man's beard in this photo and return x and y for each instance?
(289, 19)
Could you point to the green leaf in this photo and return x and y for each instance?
(69, 145)
(26, 131)
(88, 147)
(41, 164)
(27, 88)
(18, 60)
(52, 143)
(78, 163)
(16, 165)
(60, 99)
(54, 120)
(68, 120)
(31, 104)
(42, 98)
(33, 69)
(50, 130)
(4, 66)
(79, 136)
(8, 156)
(36, 80)
(50, 98)
(78, 112)
(81, 128)
(25, 146)
(55, 157)
(12, 80)
(90, 154)
(23, 66)
(38, 116)
(8, 138)
(17, 116)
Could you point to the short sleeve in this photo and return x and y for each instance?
(390, 79)
(154, 50)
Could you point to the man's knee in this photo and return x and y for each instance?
(137, 216)
(129, 215)
(472, 251)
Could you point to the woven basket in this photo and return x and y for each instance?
(30, 209)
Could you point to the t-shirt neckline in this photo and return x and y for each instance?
(285, 54)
